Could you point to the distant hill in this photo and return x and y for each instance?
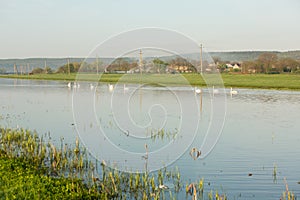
(7, 65)
(290, 54)
(238, 56)
(54, 63)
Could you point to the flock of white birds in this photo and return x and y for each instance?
(111, 88)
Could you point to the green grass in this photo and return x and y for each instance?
(20, 180)
(66, 77)
(32, 168)
(263, 81)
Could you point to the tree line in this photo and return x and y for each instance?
(268, 63)
(72, 67)
(121, 65)
(265, 63)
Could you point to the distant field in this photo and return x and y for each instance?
(264, 81)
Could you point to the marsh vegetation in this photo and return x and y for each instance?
(33, 167)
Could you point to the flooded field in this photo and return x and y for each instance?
(243, 144)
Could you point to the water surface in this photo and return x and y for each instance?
(261, 129)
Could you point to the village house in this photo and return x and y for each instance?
(180, 68)
(233, 66)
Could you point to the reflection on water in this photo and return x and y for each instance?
(261, 130)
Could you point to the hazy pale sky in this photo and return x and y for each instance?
(56, 28)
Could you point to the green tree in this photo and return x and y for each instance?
(48, 70)
(222, 67)
(179, 61)
(119, 64)
(37, 71)
(73, 67)
(160, 65)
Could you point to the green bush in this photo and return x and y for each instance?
(37, 71)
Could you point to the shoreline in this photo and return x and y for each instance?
(249, 81)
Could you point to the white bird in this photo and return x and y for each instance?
(125, 88)
(76, 85)
(91, 86)
(69, 85)
(197, 90)
(233, 91)
(110, 87)
(164, 187)
(215, 91)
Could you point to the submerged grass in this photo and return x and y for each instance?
(263, 81)
(31, 167)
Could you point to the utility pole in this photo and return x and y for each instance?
(97, 63)
(45, 67)
(27, 68)
(141, 61)
(68, 60)
(16, 69)
(201, 64)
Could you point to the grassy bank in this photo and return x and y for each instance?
(263, 81)
(19, 179)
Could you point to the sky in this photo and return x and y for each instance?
(62, 28)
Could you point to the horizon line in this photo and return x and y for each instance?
(80, 57)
